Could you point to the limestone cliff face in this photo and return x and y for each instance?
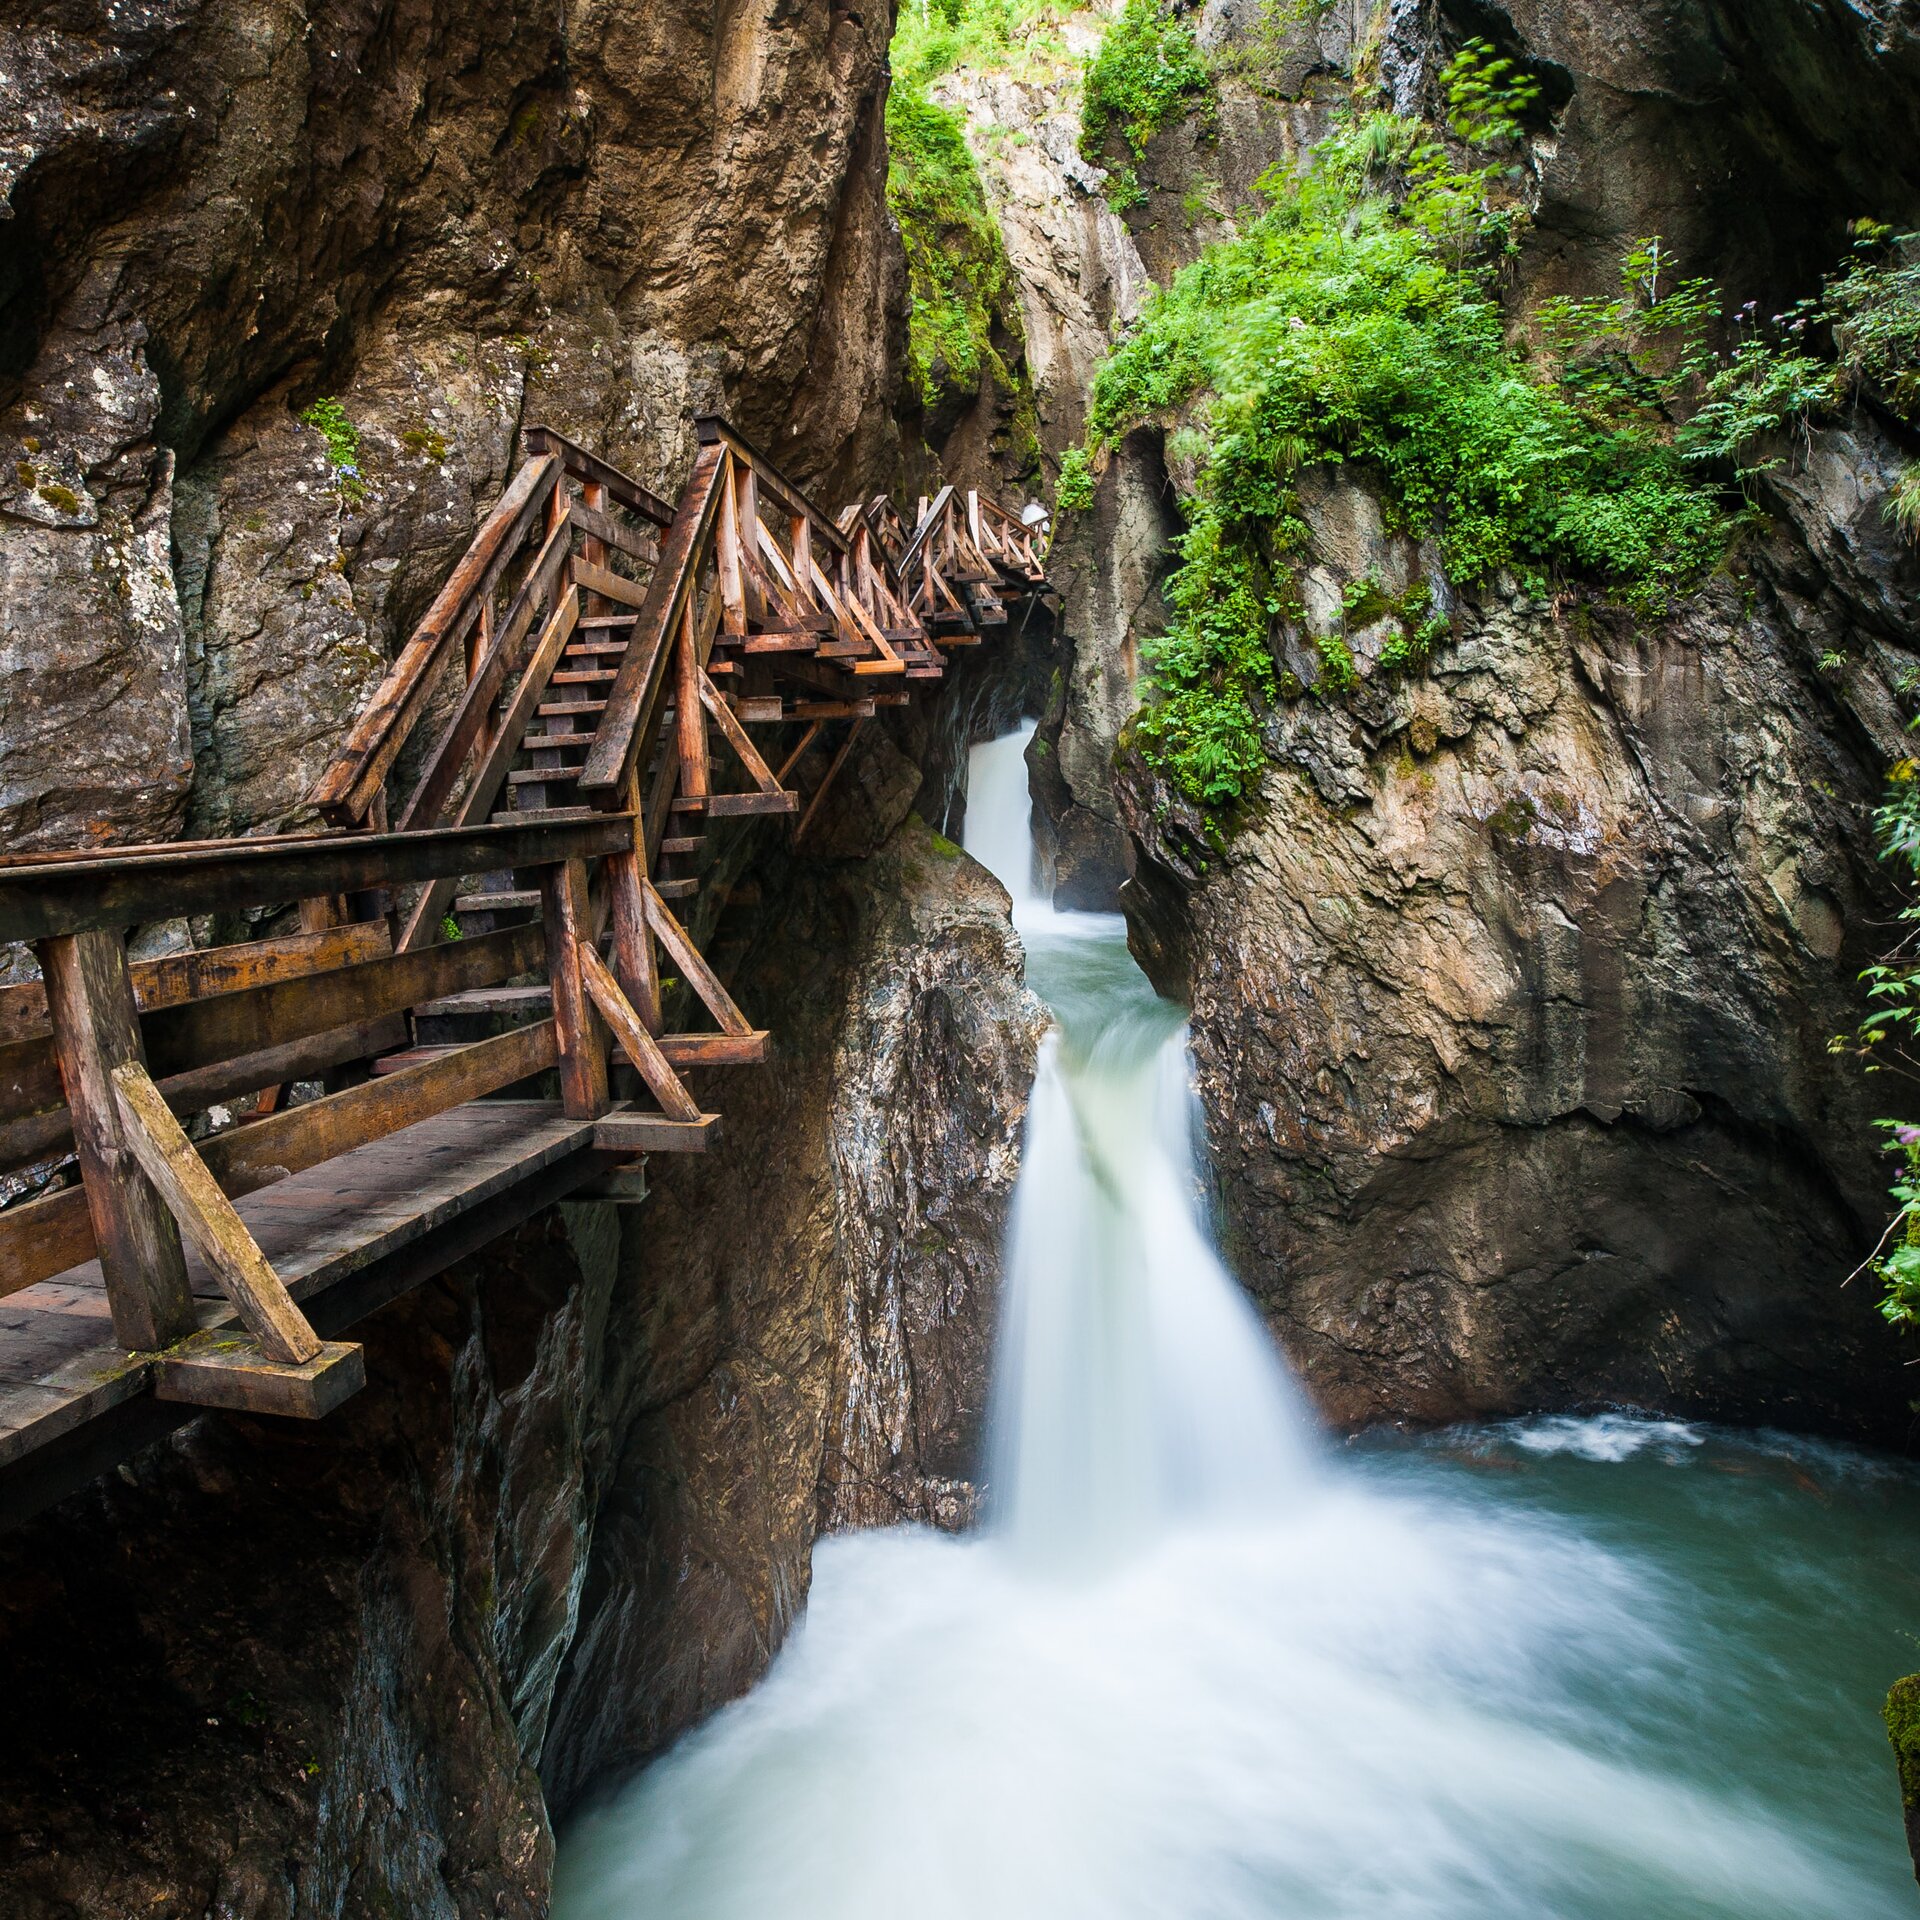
(451, 221)
(348, 1672)
(1513, 991)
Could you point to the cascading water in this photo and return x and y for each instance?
(1197, 1666)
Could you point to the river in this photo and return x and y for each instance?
(1203, 1662)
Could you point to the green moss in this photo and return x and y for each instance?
(426, 442)
(1902, 1713)
(958, 277)
(1147, 75)
(944, 847)
(60, 499)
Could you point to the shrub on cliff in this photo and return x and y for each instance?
(1146, 75)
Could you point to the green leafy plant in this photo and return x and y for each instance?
(1489, 97)
(328, 418)
(1903, 501)
(1340, 325)
(1073, 491)
(1146, 75)
(1887, 1040)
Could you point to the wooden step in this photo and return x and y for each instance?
(554, 742)
(676, 889)
(682, 843)
(598, 677)
(544, 777)
(496, 902)
(543, 816)
(586, 649)
(583, 706)
(606, 620)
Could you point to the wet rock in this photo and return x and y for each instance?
(814, 1301)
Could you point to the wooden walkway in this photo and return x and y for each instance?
(457, 1018)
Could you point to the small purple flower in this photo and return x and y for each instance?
(1907, 1136)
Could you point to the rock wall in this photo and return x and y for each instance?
(452, 223)
(1512, 992)
(347, 1672)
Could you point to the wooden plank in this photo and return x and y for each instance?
(616, 586)
(216, 1369)
(49, 1235)
(799, 753)
(727, 806)
(613, 533)
(206, 1216)
(126, 887)
(469, 720)
(713, 431)
(689, 718)
(346, 790)
(633, 959)
(583, 1060)
(39, 1135)
(715, 1049)
(653, 1133)
(589, 466)
(423, 923)
(693, 968)
(630, 700)
(174, 977)
(838, 761)
(95, 1030)
(179, 1039)
(634, 1039)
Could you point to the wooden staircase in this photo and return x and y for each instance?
(467, 963)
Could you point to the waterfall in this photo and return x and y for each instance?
(1199, 1664)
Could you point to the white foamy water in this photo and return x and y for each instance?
(1198, 1665)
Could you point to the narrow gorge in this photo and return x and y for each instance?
(1302, 1300)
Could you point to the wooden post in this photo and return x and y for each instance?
(583, 1059)
(691, 716)
(633, 959)
(96, 1028)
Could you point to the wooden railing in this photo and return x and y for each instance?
(114, 1056)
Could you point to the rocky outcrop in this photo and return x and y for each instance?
(815, 1302)
(348, 1671)
(1512, 995)
(450, 224)
(1079, 276)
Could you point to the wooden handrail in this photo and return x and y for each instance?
(591, 468)
(347, 789)
(641, 678)
(126, 886)
(713, 431)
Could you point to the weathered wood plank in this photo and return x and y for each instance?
(41, 1134)
(583, 1059)
(218, 1369)
(346, 790)
(584, 465)
(603, 527)
(95, 1030)
(126, 887)
(207, 1217)
(693, 967)
(635, 1041)
(174, 977)
(653, 1133)
(616, 586)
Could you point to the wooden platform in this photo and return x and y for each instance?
(60, 1369)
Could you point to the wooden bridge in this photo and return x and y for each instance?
(481, 992)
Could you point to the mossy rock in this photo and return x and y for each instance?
(1902, 1713)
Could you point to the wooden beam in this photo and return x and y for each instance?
(630, 699)
(345, 791)
(833, 769)
(737, 737)
(207, 970)
(37, 1135)
(207, 1217)
(604, 527)
(125, 888)
(633, 961)
(220, 1369)
(95, 1030)
(616, 586)
(689, 720)
(589, 466)
(653, 1133)
(583, 1059)
(635, 1041)
(715, 1049)
(693, 967)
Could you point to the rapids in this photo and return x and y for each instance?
(1200, 1663)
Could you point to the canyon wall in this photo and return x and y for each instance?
(1514, 981)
